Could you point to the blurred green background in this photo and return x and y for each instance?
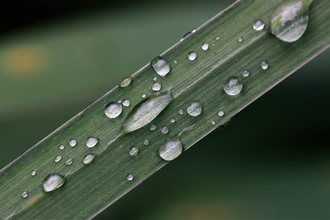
(272, 161)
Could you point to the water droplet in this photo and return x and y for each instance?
(194, 109)
(258, 25)
(217, 38)
(91, 142)
(113, 110)
(154, 79)
(160, 65)
(33, 173)
(25, 194)
(126, 102)
(175, 61)
(205, 46)
(156, 86)
(88, 159)
(133, 151)
(125, 82)
(52, 182)
(240, 39)
(130, 177)
(221, 113)
(264, 65)
(58, 158)
(213, 122)
(119, 101)
(69, 161)
(72, 142)
(172, 120)
(245, 73)
(144, 95)
(170, 150)
(152, 127)
(192, 55)
(180, 112)
(233, 86)
(289, 21)
(61, 147)
(164, 130)
(146, 111)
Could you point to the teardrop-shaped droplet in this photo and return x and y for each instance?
(233, 86)
(53, 182)
(194, 109)
(258, 25)
(146, 111)
(125, 82)
(289, 21)
(161, 66)
(91, 142)
(113, 110)
(89, 158)
(170, 149)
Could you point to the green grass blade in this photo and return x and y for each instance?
(90, 188)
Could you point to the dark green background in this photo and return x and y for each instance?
(272, 161)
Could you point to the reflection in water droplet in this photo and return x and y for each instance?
(130, 177)
(72, 142)
(233, 86)
(205, 46)
(152, 127)
(126, 102)
(161, 66)
(125, 82)
(156, 86)
(221, 113)
(240, 39)
(146, 111)
(164, 130)
(146, 142)
(52, 182)
(133, 151)
(245, 73)
(264, 65)
(194, 109)
(91, 142)
(61, 147)
(113, 110)
(25, 194)
(58, 158)
(170, 150)
(69, 161)
(289, 21)
(192, 55)
(258, 25)
(89, 158)
(33, 173)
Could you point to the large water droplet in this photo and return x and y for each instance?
(125, 82)
(113, 110)
(91, 142)
(146, 111)
(233, 86)
(88, 159)
(205, 46)
(53, 182)
(258, 25)
(156, 86)
(264, 65)
(161, 66)
(289, 21)
(192, 55)
(194, 109)
(170, 150)
(25, 194)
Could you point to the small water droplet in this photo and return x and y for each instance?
(192, 56)
(180, 112)
(113, 110)
(175, 61)
(152, 127)
(170, 150)
(125, 82)
(205, 46)
(25, 194)
(221, 113)
(164, 130)
(126, 102)
(33, 173)
(133, 151)
(52, 182)
(213, 122)
(146, 142)
(61, 147)
(91, 142)
(233, 86)
(144, 95)
(155, 79)
(217, 38)
(156, 86)
(240, 39)
(119, 101)
(69, 161)
(130, 177)
(72, 142)
(161, 66)
(172, 120)
(245, 73)
(194, 109)
(258, 25)
(58, 158)
(289, 21)
(264, 65)
(146, 111)
(88, 159)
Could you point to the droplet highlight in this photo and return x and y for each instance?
(194, 109)
(52, 182)
(160, 66)
(258, 25)
(113, 110)
(170, 150)
(192, 56)
(89, 158)
(233, 86)
(91, 142)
